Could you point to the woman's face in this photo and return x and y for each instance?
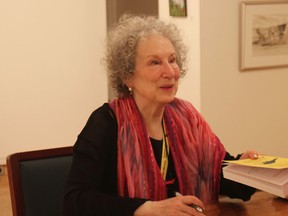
(156, 75)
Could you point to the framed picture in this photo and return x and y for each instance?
(264, 35)
(178, 8)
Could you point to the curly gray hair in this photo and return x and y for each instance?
(122, 39)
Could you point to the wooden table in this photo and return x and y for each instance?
(261, 204)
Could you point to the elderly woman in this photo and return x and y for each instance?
(140, 150)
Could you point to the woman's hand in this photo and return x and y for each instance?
(249, 154)
(176, 206)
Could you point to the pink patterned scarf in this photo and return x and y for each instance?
(197, 153)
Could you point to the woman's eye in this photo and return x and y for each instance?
(172, 60)
(155, 62)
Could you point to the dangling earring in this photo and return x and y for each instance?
(130, 90)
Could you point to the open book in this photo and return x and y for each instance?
(266, 173)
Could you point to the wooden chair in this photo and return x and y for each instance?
(37, 179)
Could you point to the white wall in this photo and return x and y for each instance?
(247, 110)
(189, 88)
(51, 76)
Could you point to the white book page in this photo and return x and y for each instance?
(274, 176)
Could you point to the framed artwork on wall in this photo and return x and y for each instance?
(178, 8)
(264, 35)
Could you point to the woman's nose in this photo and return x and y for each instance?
(168, 70)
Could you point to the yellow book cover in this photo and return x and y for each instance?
(263, 161)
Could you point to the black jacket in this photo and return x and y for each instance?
(92, 184)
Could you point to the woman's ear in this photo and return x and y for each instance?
(129, 82)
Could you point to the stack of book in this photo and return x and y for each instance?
(266, 173)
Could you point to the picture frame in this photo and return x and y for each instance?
(264, 35)
(178, 8)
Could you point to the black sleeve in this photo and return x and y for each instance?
(92, 183)
(234, 189)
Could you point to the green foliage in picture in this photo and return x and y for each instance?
(177, 8)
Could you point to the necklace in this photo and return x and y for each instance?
(165, 152)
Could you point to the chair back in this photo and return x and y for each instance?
(37, 179)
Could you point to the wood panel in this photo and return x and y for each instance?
(5, 202)
(261, 203)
